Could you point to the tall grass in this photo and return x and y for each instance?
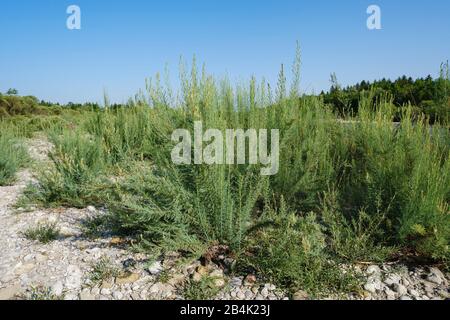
(13, 154)
(358, 189)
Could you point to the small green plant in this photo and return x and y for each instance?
(103, 270)
(43, 233)
(94, 227)
(164, 276)
(205, 289)
(291, 251)
(41, 293)
(360, 239)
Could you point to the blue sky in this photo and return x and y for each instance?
(123, 42)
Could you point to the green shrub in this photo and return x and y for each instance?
(77, 161)
(13, 155)
(291, 251)
(43, 233)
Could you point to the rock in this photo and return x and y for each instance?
(405, 298)
(155, 268)
(24, 268)
(10, 292)
(95, 291)
(240, 295)
(217, 276)
(392, 279)
(71, 296)
(73, 277)
(414, 293)
(248, 295)
(389, 293)
(370, 287)
(196, 277)
(265, 292)
(437, 272)
(107, 284)
(400, 289)
(202, 270)
(156, 288)
(116, 241)
(219, 282)
(118, 295)
(373, 284)
(250, 279)
(57, 288)
(436, 276)
(300, 295)
(236, 281)
(91, 209)
(218, 273)
(105, 292)
(373, 270)
(129, 263)
(86, 295)
(130, 278)
(67, 232)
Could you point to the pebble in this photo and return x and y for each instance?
(400, 289)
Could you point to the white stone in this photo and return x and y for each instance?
(57, 288)
(155, 268)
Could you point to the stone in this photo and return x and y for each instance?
(236, 281)
(265, 292)
(73, 277)
(95, 291)
(373, 284)
(250, 279)
(392, 279)
(196, 277)
(390, 295)
(300, 295)
(437, 272)
(116, 241)
(117, 295)
(126, 279)
(129, 263)
(156, 288)
(10, 292)
(86, 295)
(373, 269)
(414, 293)
(24, 268)
(107, 284)
(435, 279)
(91, 209)
(105, 292)
(370, 287)
(219, 282)
(57, 288)
(405, 298)
(71, 296)
(155, 268)
(202, 270)
(400, 289)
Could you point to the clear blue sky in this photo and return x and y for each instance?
(123, 42)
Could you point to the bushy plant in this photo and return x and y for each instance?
(13, 154)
